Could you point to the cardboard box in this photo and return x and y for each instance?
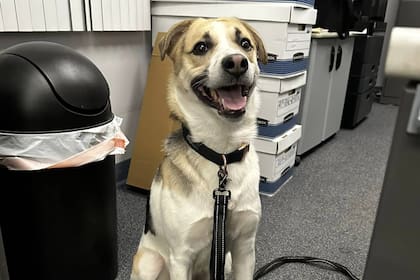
(297, 64)
(280, 84)
(154, 124)
(303, 2)
(279, 107)
(271, 188)
(284, 27)
(280, 97)
(247, 10)
(273, 131)
(277, 155)
(282, 39)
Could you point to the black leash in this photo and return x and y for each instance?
(323, 263)
(218, 248)
(221, 199)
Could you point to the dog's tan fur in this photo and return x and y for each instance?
(181, 200)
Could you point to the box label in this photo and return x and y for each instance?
(283, 159)
(286, 100)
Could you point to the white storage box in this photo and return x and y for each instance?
(277, 155)
(279, 107)
(270, 83)
(298, 63)
(303, 2)
(273, 131)
(281, 11)
(285, 40)
(271, 188)
(280, 97)
(284, 27)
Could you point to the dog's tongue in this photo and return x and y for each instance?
(232, 97)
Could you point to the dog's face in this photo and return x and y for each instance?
(215, 60)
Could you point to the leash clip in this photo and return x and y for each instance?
(219, 192)
(223, 173)
(223, 177)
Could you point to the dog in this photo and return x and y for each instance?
(212, 92)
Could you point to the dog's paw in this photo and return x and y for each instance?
(135, 277)
(228, 263)
(147, 265)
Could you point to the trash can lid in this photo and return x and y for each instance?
(48, 87)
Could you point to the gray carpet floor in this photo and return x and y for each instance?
(326, 210)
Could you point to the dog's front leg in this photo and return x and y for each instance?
(180, 266)
(243, 258)
(243, 245)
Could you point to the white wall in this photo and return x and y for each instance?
(123, 58)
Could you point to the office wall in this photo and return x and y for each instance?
(123, 58)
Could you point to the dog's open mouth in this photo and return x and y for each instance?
(229, 100)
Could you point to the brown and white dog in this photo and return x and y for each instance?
(212, 92)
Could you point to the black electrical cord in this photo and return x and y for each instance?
(307, 260)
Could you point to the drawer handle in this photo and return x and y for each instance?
(298, 56)
(301, 27)
(285, 171)
(262, 122)
(271, 57)
(288, 117)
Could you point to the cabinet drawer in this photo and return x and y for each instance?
(357, 106)
(361, 84)
(366, 69)
(367, 49)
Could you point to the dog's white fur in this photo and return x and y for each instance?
(181, 201)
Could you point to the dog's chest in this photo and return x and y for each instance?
(242, 217)
(195, 214)
(237, 223)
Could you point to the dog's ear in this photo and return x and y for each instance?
(168, 42)
(261, 52)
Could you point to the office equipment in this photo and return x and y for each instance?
(365, 62)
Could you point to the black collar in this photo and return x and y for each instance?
(206, 152)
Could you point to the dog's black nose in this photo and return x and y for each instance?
(235, 64)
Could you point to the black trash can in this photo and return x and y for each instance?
(56, 223)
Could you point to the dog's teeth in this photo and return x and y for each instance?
(222, 104)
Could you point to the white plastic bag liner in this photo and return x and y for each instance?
(63, 149)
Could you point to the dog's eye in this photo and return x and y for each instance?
(200, 48)
(246, 44)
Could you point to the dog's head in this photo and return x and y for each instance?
(215, 63)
